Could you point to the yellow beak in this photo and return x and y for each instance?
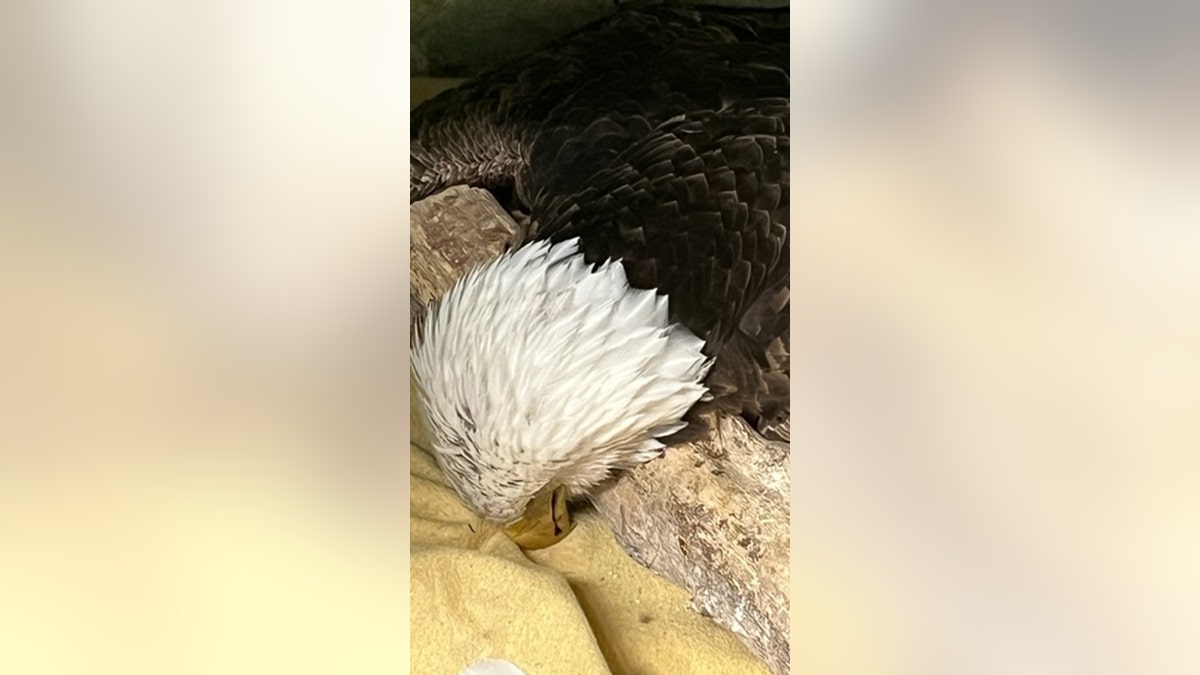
(545, 522)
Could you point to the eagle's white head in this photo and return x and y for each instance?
(538, 375)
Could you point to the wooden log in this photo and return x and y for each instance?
(713, 515)
(450, 233)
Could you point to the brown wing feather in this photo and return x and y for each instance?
(698, 209)
(658, 137)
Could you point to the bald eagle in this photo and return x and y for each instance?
(646, 158)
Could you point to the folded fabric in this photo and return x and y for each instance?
(580, 607)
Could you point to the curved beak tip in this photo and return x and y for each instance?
(546, 520)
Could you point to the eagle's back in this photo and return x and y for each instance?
(657, 137)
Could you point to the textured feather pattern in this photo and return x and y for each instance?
(539, 367)
(658, 137)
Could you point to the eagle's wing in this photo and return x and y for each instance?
(660, 138)
(661, 60)
(698, 209)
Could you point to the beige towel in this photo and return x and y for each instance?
(580, 607)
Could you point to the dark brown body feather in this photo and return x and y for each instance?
(659, 137)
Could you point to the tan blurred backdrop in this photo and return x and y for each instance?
(202, 290)
(997, 341)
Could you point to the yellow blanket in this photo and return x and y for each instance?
(580, 607)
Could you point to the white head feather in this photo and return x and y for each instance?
(534, 368)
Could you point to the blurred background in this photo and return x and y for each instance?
(997, 218)
(202, 265)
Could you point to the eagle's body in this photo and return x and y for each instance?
(658, 138)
